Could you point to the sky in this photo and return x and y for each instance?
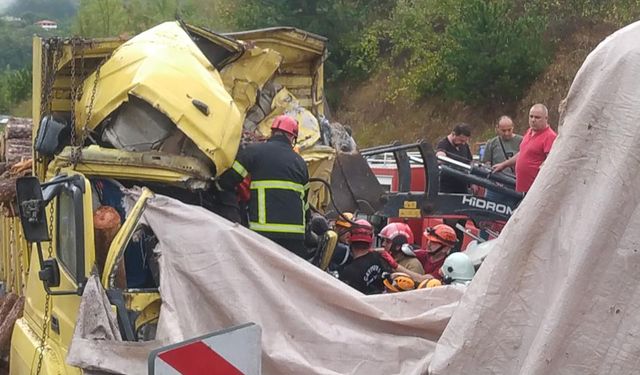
(4, 4)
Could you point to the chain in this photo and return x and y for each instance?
(12, 248)
(50, 62)
(24, 274)
(47, 299)
(84, 131)
(74, 100)
(92, 100)
(49, 67)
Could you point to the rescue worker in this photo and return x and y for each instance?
(396, 239)
(457, 269)
(365, 272)
(438, 241)
(278, 206)
(342, 253)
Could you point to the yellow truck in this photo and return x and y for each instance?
(165, 110)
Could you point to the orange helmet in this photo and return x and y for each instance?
(442, 234)
(341, 222)
(286, 124)
(429, 283)
(362, 232)
(393, 230)
(399, 282)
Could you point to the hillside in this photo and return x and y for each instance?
(376, 120)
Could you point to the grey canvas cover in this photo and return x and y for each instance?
(215, 274)
(560, 293)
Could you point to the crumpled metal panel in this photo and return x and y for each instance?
(153, 166)
(354, 186)
(165, 68)
(245, 76)
(138, 127)
(285, 103)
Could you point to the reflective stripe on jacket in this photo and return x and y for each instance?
(279, 184)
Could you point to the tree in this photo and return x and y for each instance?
(101, 18)
(15, 45)
(341, 21)
(493, 55)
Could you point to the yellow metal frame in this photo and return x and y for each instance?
(301, 71)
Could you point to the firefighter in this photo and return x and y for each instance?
(366, 270)
(438, 242)
(278, 206)
(457, 269)
(397, 239)
(342, 253)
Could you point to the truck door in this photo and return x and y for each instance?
(52, 317)
(137, 304)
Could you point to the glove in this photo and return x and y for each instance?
(243, 190)
(387, 257)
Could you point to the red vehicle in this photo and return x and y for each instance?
(403, 185)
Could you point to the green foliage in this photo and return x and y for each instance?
(15, 86)
(15, 45)
(471, 50)
(567, 14)
(476, 51)
(101, 18)
(341, 21)
(493, 55)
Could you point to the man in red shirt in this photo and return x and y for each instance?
(534, 149)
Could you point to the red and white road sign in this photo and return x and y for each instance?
(233, 351)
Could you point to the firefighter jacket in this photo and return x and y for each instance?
(279, 183)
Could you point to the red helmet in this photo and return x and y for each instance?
(442, 234)
(286, 124)
(362, 232)
(391, 231)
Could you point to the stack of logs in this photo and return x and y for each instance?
(15, 159)
(11, 307)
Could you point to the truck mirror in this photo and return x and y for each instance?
(51, 136)
(31, 207)
(50, 273)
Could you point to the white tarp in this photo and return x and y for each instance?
(561, 293)
(215, 274)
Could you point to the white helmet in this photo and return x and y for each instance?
(457, 269)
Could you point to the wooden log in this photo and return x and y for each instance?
(18, 128)
(106, 224)
(17, 150)
(21, 168)
(9, 177)
(7, 189)
(6, 327)
(24, 142)
(7, 304)
(3, 147)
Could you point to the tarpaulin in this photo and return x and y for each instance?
(215, 274)
(560, 294)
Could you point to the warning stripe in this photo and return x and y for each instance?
(198, 359)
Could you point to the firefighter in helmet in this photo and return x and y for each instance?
(342, 253)
(397, 239)
(365, 271)
(277, 207)
(438, 242)
(457, 269)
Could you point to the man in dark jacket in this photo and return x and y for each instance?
(455, 146)
(365, 271)
(278, 206)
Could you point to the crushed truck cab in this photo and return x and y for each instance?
(166, 111)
